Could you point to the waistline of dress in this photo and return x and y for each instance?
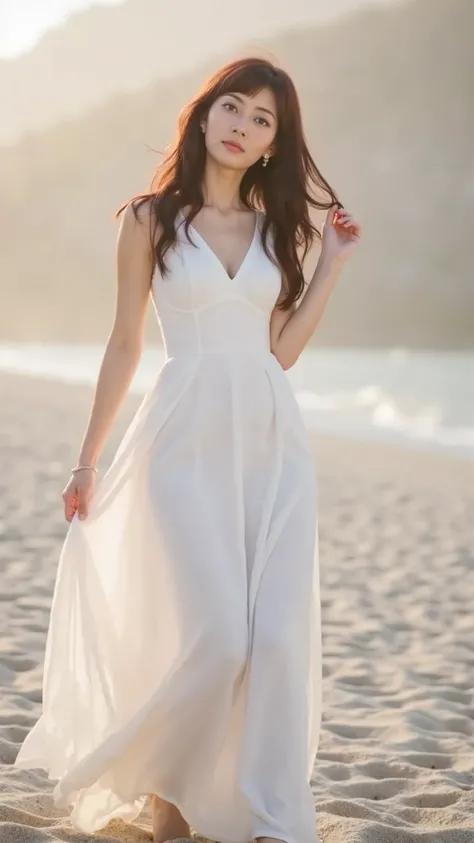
(253, 352)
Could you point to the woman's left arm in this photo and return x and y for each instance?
(291, 330)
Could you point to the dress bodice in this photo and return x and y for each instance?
(201, 309)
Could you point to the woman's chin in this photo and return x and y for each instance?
(234, 161)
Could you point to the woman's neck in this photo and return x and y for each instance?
(221, 187)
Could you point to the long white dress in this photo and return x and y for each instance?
(184, 648)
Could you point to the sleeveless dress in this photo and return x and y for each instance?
(183, 654)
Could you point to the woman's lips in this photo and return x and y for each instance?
(234, 147)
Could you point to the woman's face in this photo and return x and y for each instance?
(240, 128)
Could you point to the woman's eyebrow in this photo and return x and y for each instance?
(258, 107)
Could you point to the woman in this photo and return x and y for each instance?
(183, 654)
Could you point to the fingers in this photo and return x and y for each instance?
(70, 504)
(83, 504)
(346, 220)
(333, 212)
(343, 217)
(76, 500)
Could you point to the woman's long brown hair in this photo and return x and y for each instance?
(285, 189)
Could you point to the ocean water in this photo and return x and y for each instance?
(419, 399)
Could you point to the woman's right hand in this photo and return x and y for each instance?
(78, 494)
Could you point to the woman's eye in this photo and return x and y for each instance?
(264, 122)
(230, 105)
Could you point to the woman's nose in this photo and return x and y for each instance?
(240, 128)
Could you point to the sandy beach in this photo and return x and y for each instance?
(396, 756)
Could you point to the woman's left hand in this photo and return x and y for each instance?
(340, 234)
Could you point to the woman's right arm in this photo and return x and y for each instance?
(134, 260)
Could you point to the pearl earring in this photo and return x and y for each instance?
(266, 159)
(203, 127)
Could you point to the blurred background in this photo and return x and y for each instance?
(90, 94)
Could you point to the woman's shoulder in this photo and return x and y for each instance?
(139, 215)
(136, 226)
(143, 208)
(137, 212)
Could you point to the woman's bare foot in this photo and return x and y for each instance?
(168, 823)
(268, 840)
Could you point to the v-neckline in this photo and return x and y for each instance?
(216, 258)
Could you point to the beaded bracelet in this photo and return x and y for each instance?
(80, 467)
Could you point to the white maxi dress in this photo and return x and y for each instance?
(183, 654)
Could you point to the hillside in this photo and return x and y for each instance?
(387, 96)
(103, 50)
